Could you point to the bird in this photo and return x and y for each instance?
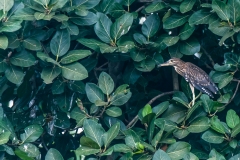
(195, 76)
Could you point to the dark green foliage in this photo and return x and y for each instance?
(78, 78)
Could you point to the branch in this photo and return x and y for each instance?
(208, 55)
(238, 82)
(135, 119)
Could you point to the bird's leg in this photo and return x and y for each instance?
(193, 93)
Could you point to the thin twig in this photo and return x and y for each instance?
(99, 68)
(159, 96)
(208, 55)
(238, 82)
(43, 143)
(135, 119)
(139, 9)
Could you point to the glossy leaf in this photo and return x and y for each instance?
(106, 83)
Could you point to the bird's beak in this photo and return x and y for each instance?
(164, 64)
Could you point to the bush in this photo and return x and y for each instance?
(79, 79)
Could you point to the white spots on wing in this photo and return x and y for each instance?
(170, 32)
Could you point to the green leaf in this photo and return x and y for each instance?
(181, 133)
(86, 151)
(190, 46)
(235, 130)
(222, 68)
(140, 38)
(217, 125)
(87, 20)
(78, 115)
(227, 78)
(157, 138)
(174, 113)
(88, 142)
(214, 155)
(53, 154)
(42, 2)
(4, 137)
(137, 55)
(131, 74)
(120, 96)
(174, 21)
(170, 40)
(30, 149)
(6, 5)
(146, 65)
(226, 35)
(125, 44)
(50, 73)
(14, 74)
(207, 103)
(233, 143)
(178, 150)
(212, 137)
(161, 155)
(94, 93)
(111, 134)
(232, 118)
(32, 133)
(10, 26)
(199, 125)
(102, 28)
(121, 26)
(237, 156)
(3, 42)
(200, 17)
(153, 7)
(127, 2)
(58, 87)
(44, 57)
(160, 108)
(151, 25)
(234, 5)
(91, 43)
(22, 155)
(121, 148)
(74, 71)
(94, 131)
(105, 83)
(23, 59)
(186, 31)
(168, 125)
(32, 44)
(114, 111)
(87, 3)
(187, 5)
(131, 139)
(146, 110)
(221, 9)
(60, 43)
(75, 55)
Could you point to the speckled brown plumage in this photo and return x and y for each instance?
(194, 75)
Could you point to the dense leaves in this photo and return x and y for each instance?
(78, 79)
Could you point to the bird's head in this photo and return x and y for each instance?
(172, 62)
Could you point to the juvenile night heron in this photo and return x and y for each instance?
(196, 77)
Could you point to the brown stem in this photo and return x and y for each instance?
(139, 9)
(135, 119)
(208, 55)
(232, 96)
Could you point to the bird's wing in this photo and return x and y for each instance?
(199, 79)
